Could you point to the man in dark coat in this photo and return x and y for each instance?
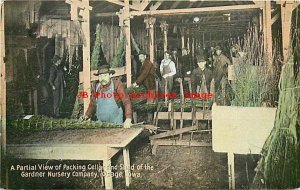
(147, 75)
(57, 83)
(201, 74)
(221, 63)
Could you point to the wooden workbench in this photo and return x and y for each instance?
(83, 144)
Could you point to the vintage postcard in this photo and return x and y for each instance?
(144, 94)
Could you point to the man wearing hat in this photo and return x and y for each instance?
(147, 75)
(106, 98)
(221, 63)
(57, 83)
(167, 71)
(201, 74)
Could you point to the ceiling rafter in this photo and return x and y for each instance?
(194, 10)
(121, 3)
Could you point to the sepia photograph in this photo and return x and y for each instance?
(150, 94)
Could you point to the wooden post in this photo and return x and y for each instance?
(150, 26)
(286, 20)
(127, 166)
(2, 97)
(188, 43)
(231, 174)
(85, 25)
(128, 42)
(193, 47)
(182, 38)
(164, 27)
(86, 54)
(267, 30)
(107, 172)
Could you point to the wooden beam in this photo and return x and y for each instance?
(164, 27)
(2, 87)
(117, 2)
(167, 142)
(144, 4)
(231, 174)
(200, 115)
(128, 42)
(275, 18)
(155, 6)
(286, 20)
(150, 22)
(267, 26)
(110, 14)
(127, 166)
(86, 54)
(57, 151)
(173, 132)
(194, 10)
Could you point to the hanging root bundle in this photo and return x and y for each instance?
(42, 123)
(117, 60)
(279, 166)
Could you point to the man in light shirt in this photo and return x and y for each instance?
(167, 71)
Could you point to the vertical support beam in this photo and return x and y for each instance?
(150, 22)
(107, 171)
(188, 42)
(182, 38)
(260, 22)
(4, 175)
(127, 166)
(164, 27)
(86, 53)
(267, 30)
(128, 42)
(231, 174)
(286, 21)
(193, 47)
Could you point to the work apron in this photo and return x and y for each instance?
(169, 80)
(107, 108)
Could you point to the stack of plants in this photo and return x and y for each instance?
(43, 123)
(279, 165)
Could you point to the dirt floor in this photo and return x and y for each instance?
(173, 167)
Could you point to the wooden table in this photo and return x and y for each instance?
(83, 144)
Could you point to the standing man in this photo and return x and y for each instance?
(221, 63)
(57, 83)
(201, 74)
(167, 70)
(147, 75)
(107, 96)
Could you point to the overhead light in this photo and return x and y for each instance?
(196, 19)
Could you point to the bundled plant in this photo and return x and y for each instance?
(279, 165)
(71, 74)
(98, 57)
(255, 77)
(118, 59)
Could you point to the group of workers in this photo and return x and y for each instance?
(213, 65)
